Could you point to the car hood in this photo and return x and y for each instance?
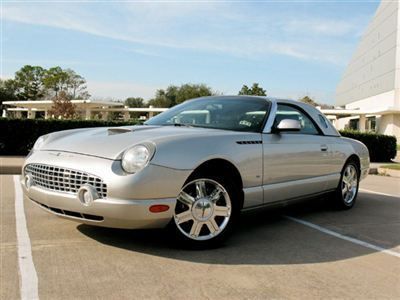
(110, 142)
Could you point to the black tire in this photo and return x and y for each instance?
(181, 234)
(346, 192)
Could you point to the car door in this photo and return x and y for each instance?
(294, 163)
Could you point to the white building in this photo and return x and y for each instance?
(370, 86)
(86, 108)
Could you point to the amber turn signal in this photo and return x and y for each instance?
(158, 208)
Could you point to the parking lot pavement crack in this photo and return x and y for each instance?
(5, 246)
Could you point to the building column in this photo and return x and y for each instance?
(18, 114)
(361, 123)
(104, 114)
(88, 114)
(31, 114)
(151, 114)
(46, 114)
(126, 114)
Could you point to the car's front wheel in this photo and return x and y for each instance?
(347, 190)
(205, 211)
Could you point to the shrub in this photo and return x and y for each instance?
(381, 147)
(17, 136)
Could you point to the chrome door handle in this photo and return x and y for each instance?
(324, 147)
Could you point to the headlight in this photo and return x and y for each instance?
(39, 142)
(135, 158)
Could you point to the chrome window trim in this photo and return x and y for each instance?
(270, 121)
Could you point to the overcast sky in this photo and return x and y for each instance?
(132, 48)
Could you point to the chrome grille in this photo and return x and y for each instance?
(64, 180)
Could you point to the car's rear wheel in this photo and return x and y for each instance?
(205, 211)
(347, 190)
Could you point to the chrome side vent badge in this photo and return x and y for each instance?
(248, 142)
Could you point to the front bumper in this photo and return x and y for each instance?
(129, 197)
(103, 212)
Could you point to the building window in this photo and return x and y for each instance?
(371, 124)
(353, 124)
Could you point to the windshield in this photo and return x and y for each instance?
(230, 113)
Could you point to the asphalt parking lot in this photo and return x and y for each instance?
(321, 253)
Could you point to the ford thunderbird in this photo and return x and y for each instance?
(195, 167)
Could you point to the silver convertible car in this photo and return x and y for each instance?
(195, 167)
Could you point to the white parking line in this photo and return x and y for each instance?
(378, 193)
(344, 237)
(28, 277)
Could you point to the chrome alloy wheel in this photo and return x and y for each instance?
(203, 209)
(349, 183)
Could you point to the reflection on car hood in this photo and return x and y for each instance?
(111, 142)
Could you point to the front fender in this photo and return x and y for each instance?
(189, 153)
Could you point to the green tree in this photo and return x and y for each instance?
(29, 82)
(74, 85)
(190, 91)
(308, 100)
(8, 92)
(56, 80)
(254, 90)
(177, 94)
(165, 98)
(160, 100)
(134, 102)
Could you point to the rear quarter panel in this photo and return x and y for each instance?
(361, 151)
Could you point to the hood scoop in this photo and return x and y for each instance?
(118, 130)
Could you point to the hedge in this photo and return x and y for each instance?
(382, 148)
(17, 136)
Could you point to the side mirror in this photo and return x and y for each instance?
(288, 125)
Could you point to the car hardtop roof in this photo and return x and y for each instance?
(313, 112)
(303, 105)
(271, 99)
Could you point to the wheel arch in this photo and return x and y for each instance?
(220, 166)
(354, 157)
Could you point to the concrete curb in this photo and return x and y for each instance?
(11, 164)
(10, 170)
(389, 172)
(373, 171)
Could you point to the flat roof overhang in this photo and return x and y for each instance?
(357, 112)
(47, 104)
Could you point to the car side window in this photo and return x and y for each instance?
(322, 120)
(289, 112)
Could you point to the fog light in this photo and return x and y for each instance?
(87, 194)
(28, 180)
